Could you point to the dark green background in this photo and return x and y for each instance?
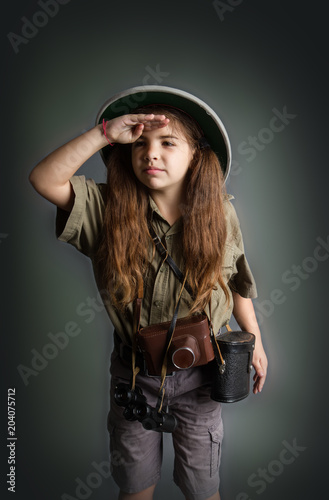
(263, 55)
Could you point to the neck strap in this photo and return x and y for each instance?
(166, 258)
(137, 316)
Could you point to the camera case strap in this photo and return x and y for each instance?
(187, 341)
(177, 344)
(231, 376)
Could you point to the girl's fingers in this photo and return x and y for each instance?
(150, 120)
(146, 118)
(259, 377)
(128, 128)
(259, 384)
(137, 131)
(153, 125)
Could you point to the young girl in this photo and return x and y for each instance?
(167, 156)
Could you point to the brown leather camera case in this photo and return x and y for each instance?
(191, 344)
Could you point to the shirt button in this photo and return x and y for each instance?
(162, 268)
(157, 303)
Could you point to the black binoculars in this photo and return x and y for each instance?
(136, 408)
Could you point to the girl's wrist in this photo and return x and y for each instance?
(100, 136)
(108, 139)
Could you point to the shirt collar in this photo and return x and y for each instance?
(167, 228)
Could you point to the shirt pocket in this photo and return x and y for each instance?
(229, 263)
(229, 269)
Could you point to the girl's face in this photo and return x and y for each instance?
(161, 158)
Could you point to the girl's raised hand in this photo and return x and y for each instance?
(127, 128)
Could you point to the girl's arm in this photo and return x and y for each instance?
(51, 177)
(244, 313)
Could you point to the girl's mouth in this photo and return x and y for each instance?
(152, 170)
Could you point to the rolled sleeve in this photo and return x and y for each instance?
(242, 280)
(82, 226)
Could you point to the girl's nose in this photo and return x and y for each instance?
(150, 157)
(151, 153)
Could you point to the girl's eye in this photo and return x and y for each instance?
(138, 144)
(167, 143)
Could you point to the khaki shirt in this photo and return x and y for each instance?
(82, 228)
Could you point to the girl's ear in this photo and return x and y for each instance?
(196, 156)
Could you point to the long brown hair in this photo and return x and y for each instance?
(126, 245)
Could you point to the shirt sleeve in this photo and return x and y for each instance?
(83, 225)
(242, 280)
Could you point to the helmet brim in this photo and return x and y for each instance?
(214, 131)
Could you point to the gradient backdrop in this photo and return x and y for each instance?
(250, 60)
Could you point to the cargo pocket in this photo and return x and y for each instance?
(216, 436)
